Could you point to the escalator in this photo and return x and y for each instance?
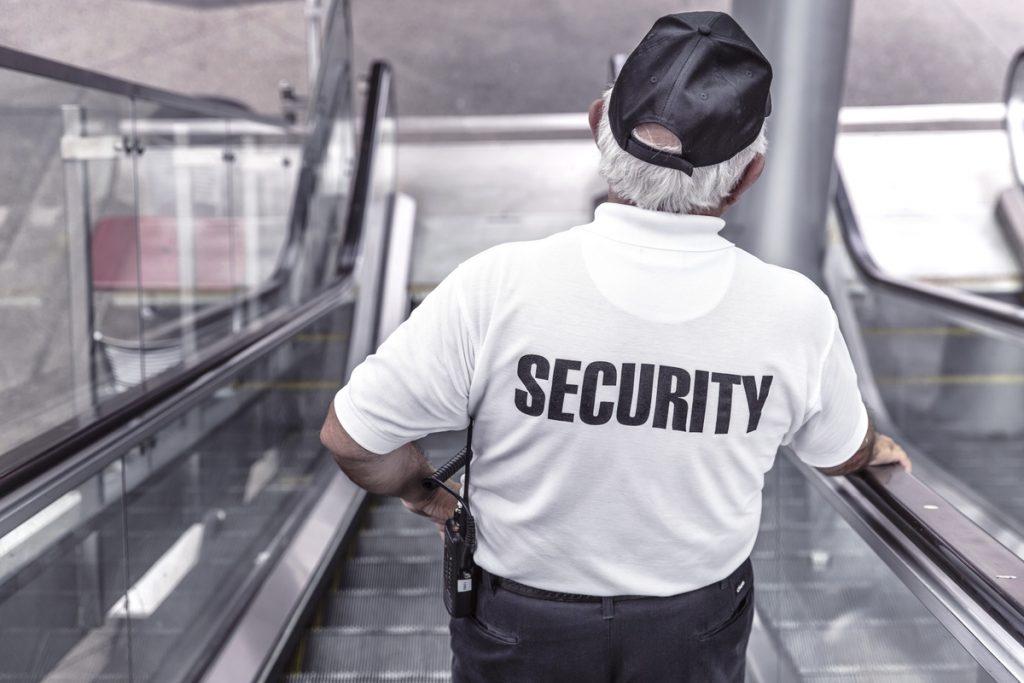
(844, 591)
(824, 600)
(382, 616)
(208, 536)
(177, 456)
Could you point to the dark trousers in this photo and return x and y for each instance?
(699, 636)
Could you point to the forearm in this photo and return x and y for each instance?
(398, 473)
(860, 458)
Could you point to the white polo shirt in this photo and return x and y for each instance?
(631, 381)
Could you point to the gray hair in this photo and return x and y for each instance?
(666, 189)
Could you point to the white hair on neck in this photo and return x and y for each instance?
(666, 189)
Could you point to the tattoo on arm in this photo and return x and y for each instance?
(859, 460)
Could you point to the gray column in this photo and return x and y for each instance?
(782, 218)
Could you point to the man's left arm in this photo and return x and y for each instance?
(417, 383)
(398, 473)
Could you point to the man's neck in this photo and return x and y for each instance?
(618, 199)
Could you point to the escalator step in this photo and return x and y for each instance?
(834, 568)
(377, 656)
(419, 573)
(19, 651)
(842, 540)
(926, 651)
(866, 602)
(386, 610)
(394, 545)
(957, 676)
(325, 677)
(396, 517)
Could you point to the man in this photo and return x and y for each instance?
(630, 381)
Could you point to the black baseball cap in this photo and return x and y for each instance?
(701, 77)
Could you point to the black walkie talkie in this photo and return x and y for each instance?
(461, 576)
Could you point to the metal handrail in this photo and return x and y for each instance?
(32, 458)
(379, 100)
(1013, 95)
(971, 557)
(955, 604)
(283, 594)
(972, 309)
(43, 490)
(23, 62)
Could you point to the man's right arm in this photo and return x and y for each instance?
(839, 417)
(858, 460)
(875, 449)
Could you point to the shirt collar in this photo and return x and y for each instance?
(657, 229)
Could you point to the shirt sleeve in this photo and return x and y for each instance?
(837, 420)
(418, 381)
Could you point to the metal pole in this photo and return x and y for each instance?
(186, 233)
(782, 219)
(315, 13)
(79, 254)
(248, 167)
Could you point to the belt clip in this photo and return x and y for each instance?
(607, 608)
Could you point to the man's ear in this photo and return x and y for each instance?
(596, 109)
(750, 175)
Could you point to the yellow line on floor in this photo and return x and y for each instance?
(955, 379)
(938, 331)
(309, 385)
(967, 280)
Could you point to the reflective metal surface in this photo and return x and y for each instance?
(178, 530)
(145, 234)
(830, 599)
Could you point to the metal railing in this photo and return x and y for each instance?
(230, 325)
(23, 62)
(971, 309)
(153, 416)
(952, 555)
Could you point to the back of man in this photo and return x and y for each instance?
(630, 381)
(588, 415)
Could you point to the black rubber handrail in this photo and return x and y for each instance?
(23, 62)
(1013, 97)
(178, 401)
(975, 560)
(981, 310)
(378, 104)
(32, 458)
(978, 563)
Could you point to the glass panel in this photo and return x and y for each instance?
(209, 496)
(264, 171)
(956, 394)
(135, 237)
(64, 182)
(61, 580)
(906, 196)
(107, 179)
(831, 609)
(187, 247)
(953, 390)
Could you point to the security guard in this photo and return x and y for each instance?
(630, 381)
